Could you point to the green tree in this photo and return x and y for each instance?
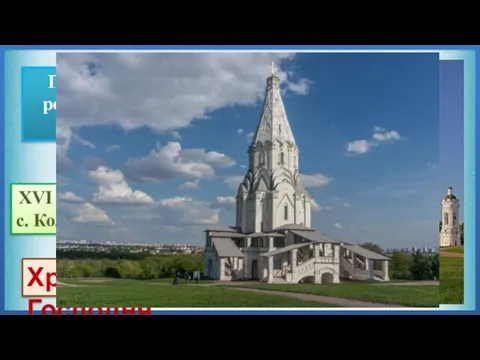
(421, 268)
(105, 264)
(83, 270)
(148, 269)
(129, 269)
(435, 266)
(112, 272)
(400, 264)
(372, 247)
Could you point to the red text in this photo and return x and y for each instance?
(47, 280)
(49, 309)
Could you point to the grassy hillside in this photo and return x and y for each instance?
(451, 280)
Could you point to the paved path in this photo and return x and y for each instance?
(449, 254)
(59, 283)
(319, 298)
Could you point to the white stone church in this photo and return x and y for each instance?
(272, 239)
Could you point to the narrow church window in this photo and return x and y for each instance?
(279, 129)
(262, 158)
(445, 220)
(282, 158)
(454, 219)
(285, 212)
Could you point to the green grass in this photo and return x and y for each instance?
(454, 249)
(451, 280)
(127, 293)
(415, 296)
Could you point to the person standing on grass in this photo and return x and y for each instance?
(186, 278)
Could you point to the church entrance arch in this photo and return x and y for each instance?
(254, 270)
(327, 278)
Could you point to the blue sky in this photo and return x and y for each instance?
(151, 147)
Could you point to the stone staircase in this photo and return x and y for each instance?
(347, 270)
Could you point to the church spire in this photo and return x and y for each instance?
(273, 125)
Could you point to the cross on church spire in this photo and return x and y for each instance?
(273, 69)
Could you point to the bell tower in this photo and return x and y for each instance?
(450, 232)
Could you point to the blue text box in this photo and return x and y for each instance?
(39, 104)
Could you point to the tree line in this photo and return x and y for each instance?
(407, 266)
(148, 267)
(116, 254)
(416, 266)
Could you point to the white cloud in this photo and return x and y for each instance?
(316, 180)
(239, 131)
(359, 146)
(65, 137)
(113, 147)
(233, 182)
(346, 205)
(250, 137)
(62, 180)
(191, 211)
(70, 197)
(301, 87)
(315, 206)
(113, 189)
(226, 200)
(172, 161)
(162, 91)
(189, 185)
(93, 162)
(176, 135)
(85, 213)
(380, 135)
(338, 226)
(141, 216)
(386, 136)
(83, 142)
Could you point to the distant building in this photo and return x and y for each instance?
(450, 231)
